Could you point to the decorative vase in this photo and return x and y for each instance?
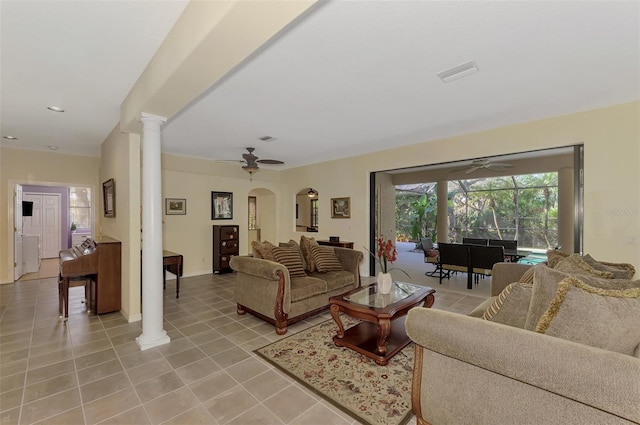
(384, 282)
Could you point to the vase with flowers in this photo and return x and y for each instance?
(386, 254)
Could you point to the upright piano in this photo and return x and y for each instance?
(97, 260)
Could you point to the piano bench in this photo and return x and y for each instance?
(63, 293)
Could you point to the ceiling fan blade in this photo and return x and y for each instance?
(500, 164)
(474, 169)
(270, 161)
(237, 161)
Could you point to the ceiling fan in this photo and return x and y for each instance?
(250, 161)
(479, 164)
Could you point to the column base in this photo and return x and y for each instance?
(145, 342)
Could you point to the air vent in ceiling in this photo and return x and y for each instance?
(267, 138)
(458, 71)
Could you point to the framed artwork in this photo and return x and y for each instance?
(340, 207)
(175, 206)
(109, 198)
(221, 205)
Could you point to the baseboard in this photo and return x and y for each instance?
(133, 318)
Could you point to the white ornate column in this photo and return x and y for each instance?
(153, 333)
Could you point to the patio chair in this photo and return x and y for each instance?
(483, 258)
(431, 255)
(475, 241)
(510, 248)
(454, 257)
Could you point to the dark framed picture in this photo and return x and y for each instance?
(109, 198)
(340, 207)
(175, 206)
(221, 205)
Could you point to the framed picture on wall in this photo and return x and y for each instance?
(340, 207)
(221, 205)
(175, 206)
(109, 198)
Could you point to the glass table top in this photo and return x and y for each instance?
(370, 297)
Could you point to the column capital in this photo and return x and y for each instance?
(146, 117)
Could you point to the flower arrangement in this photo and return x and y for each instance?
(385, 255)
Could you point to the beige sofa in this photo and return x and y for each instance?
(265, 289)
(474, 371)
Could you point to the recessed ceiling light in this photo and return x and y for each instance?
(267, 138)
(55, 109)
(10, 137)
(458, 71)
(53, 148)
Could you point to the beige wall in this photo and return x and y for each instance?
(194, 179)
(121, 161)
(611, 138)
(18, 166)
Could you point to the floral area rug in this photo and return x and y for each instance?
(370, 393)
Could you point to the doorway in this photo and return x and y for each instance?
(567, 159)
(44, 222)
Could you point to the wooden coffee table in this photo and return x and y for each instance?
(381, 334)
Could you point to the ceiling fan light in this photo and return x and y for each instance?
(250, 169)
(312, 193)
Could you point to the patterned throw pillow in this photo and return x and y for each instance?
(510, 307)
(554, 256)
(291, 259)
(527, 277)
(263, 250)
(546, 285)
(305, 246)
(325, 259)
(619, 270)
(574, 264)
(293, 244)
(604, 318)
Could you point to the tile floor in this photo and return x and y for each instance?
(91, 371)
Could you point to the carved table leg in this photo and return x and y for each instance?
(335, 314)
(429, 301)
(384, 329)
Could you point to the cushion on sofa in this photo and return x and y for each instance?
(289, 256)
(527, 277)
(335, 280)
(554, 256)
(295, 244)
(510, 307)
(306, 287)
(305, 246)
(545, 286)
(575, 264)
(604, 318)
(619, 270)
(325, 259)
(263, 250)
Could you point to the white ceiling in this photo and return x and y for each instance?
(348, 78)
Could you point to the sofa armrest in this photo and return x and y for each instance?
(503, 274)
(350, 260)
(262, 285)
(592, 376)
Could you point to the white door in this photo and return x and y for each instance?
(50, 244)
(17, 232)
(45, 222)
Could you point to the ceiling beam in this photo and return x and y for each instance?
(208, 41)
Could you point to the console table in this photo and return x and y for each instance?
(342, 244)
(172, 262)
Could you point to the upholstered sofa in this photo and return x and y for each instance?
(266, 288)
(511, 370)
